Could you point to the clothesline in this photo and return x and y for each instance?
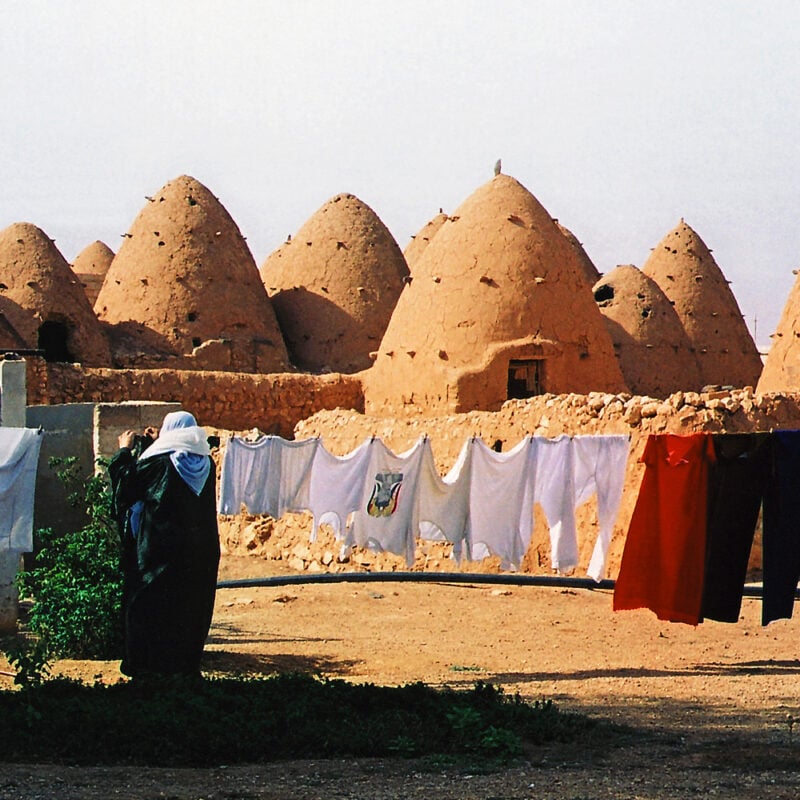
(687, 546)
(484, 506)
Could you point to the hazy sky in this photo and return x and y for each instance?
(620, 117)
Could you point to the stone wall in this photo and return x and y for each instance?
(236, 401)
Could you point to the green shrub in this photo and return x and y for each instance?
(174, 721)
(31, 659)
(76, 580)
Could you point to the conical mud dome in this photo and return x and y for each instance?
(653, 349)
(184, 289)
(497, 309)
(685, 270)
(90, 267)
(57, 317)
(416, 247)
(334, 286)
(782, 368)
(590, 271)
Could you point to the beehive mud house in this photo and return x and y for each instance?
(416, 247)
(686, 271)
(43, 302)
(497, 308)
(654, 352)
(782, 368)
(184, 292)
(334, 286)
(90, 267)
(590, 271)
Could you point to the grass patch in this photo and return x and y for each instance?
(241, 720)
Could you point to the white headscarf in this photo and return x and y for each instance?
(187, 445)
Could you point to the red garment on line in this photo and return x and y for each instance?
(663, 563)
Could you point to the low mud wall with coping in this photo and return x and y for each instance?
(273, 403)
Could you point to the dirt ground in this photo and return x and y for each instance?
(710, 706)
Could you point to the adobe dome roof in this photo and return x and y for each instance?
(651, 344)
(684, 268)
(18, 326)
(499, 282)
(590, 271)
(334, 286)
(90, 267)
(418, 243)
(34, 276)
(782, 368)
(184, 284)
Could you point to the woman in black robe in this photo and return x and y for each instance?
(165, 503)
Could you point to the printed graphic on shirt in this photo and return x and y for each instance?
(385, 494)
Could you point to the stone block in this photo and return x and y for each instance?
(13, 393)
(112, 419)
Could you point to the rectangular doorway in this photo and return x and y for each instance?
(525, 378)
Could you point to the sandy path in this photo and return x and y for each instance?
(711, 702)
(564, 644)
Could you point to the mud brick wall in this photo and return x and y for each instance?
(231, 400)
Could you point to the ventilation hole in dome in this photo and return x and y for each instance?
(191, 316)
(645, 313)
(604, 292)
(196, 341)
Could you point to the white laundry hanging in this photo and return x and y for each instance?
(19, 459)
(500, 503)
(600, 463)
(555, 492)
(268, 476)
(386, 518)
(336, 486)
(444, 502)
(247, 477)
(484, 505)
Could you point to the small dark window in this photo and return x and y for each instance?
(197, 341)
(525, 378)
(191, 316)
(53, 341)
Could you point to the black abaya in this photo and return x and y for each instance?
(170, 564)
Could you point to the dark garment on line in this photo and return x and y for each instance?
(736, 484)
(781, 545)
(170, 566)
